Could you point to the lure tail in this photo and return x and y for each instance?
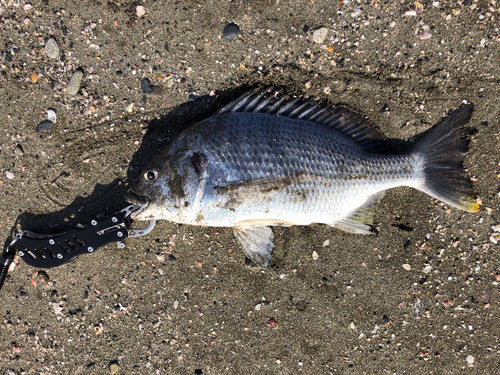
(442, 154)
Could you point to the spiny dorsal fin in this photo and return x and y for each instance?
(351, 124)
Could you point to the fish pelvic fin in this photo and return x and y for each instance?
(360, 220)
(442, 154)
(257, 242)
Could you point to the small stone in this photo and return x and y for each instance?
(315, 255)
(319, 35)
(44, 126)
(9, 175)
(496, 228)
(113, 367)
(176, 304)
(230, 32)
(140, 10)
(34, 77)
(52, 48)
(470, 359)
(19, 150)
(155, 91)
(326, 243)
(74, 83)
(427, 269)
(51, 114)
(425, 34)
(198, 372)
(130, 108)
(145, 86)
(407, 267)
(57, 308)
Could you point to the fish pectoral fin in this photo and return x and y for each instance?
(260, 189)
(361, 219)
(257, 242)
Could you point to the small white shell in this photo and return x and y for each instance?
(51, 114)
(140, 10)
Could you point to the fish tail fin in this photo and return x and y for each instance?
(442, 154)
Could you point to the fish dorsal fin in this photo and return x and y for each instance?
(257, 242)
(351, 124)
(361, 219)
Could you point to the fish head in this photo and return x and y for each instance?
(165, 188)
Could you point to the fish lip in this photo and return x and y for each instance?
(138, 200)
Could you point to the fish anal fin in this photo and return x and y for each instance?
(257, 242)
(361, 219)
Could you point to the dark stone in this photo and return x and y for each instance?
(230, 32)
(44, 126)
(145, 86)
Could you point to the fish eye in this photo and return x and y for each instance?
(151, 176)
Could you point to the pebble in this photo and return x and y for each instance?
(52, 48)
(51, 114)
(494, 238)
(427, 269)
(140, 10)
(326, 243)
(230, 32)
(145, 86)
(113, 367)
(470, 359)
(44, 126)
(315, 255)
(155, 91)
(74, 83)
(319, 35)
(19, 150)
(407, 267)
(9, 175)
(198, 372)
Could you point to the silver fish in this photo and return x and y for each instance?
(264, 161)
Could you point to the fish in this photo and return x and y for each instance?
(267, 160)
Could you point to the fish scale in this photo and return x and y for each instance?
(281, 163)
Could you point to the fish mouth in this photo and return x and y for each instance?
(138, 200)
